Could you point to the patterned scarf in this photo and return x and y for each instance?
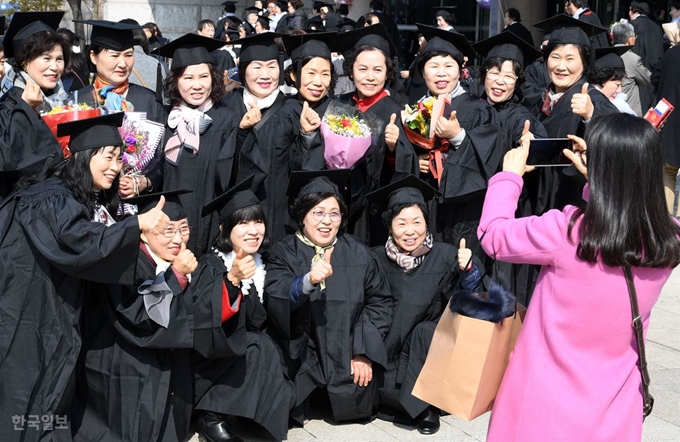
(189, 124)
(550, 101)
(112, 98)
(318, 251)
(408, 260)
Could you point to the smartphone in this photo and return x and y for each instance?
(660, 113)
(547, 152)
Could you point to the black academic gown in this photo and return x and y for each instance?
(373, 171)
(48, 249)
(319, 339)
(237, 368)
(649, 41)
(537, 80)
(665, 79)
(207, 173)
(26, 142)
(133, 372)
(596, 41)
(416, 86)
(521, 31)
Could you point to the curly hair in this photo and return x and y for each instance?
(249, 213)
(172, 81)
(301, 206)
(38, 44)
(351, 56)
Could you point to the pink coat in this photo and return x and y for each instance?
(573, 374)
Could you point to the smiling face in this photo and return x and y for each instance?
(195, 84)
(369, 72)
(247, 236)
(168, 245)
(409, 228)
(262, 77)
(499, 84)
(322, 231)
(105, 166)
(114, 67)
(441, 74)
(46, 69)
(565, 66)
(315, 79)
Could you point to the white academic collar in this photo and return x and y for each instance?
(161, 264)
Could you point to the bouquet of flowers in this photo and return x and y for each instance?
(141, 138)
(72, 110)
(347, 135)
(417, 119)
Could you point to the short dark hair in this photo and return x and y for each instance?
(675, 5)
(150, 25)
(447, 16)
(391, 212)
(432, 54)
(579, 3)
(289, 70)
(172, 91)
(601, 76)
(497, 62)
(626, 221)
(203, 23)
(38, 44)
(243, 66)
(351, 56)
(296, 4)
(230, 8)
(249, 213)
(513, 14)
(302, 205)
(583, 51)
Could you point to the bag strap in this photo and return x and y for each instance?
(141, 80)
(637, 327)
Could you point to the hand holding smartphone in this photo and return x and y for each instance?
(547, 152)
(660, 113)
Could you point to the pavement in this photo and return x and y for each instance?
(663, 355)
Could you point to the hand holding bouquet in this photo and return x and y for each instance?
(347, 136)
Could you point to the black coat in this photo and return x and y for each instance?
(665, 78)
(537, 80)
(48, 249)
(596, 41)
(649, 41)
(521, 31)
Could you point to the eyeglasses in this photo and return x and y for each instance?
(507, 78)
(183, 231)
(335, 217)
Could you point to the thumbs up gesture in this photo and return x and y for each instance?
(464, 256)
(322, 269)
(243, 267)
(309, 119)
(581, 104)
(32, 94)
(392, 133)
(252, 117)
(527, 136)
(447, 129)
(185, 262)
(155, 221)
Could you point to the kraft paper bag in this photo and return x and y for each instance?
(466, 362)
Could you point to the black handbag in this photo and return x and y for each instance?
(647, 399)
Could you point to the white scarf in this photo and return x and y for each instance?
(101, 215)
(58, 97)
(262, 103)
(258, 277)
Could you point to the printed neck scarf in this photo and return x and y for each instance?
(318, 251)
(258, 278)
(189, 124)
(408, 260)
(550, 101)
(112, 98)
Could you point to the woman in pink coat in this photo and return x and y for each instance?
(573, 375)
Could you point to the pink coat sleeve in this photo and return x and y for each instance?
(530, 240)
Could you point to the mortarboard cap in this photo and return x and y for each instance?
(408, 190)
(189, 49)
(375, 35)
(610, 57)
(236, 198)
(644, 6)
(172, 207)
(93, 133)
(111, 35)
(320, 44)
(508, 46)
(251, 10)
(319, 181)
(451, 42)
(25, 24)
(258, 47)
(564, 29)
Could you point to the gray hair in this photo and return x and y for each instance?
(622, 32)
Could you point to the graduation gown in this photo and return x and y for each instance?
(665, 78)
(207, 173)
(237, 369)
(596, 41)
(133, 372)
(319, 339)
(521, 31)
(537, 80)
(26, 143)
(649, 41)
(48, 248)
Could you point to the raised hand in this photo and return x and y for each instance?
(447, 129)
(185, 262)
(242, 268)
(322, 269)
(464, 255)
(578, 154)
(526, 132)
(32, 94)
(309, 119)
(392, 133)
(155, 221)
(362, 370)
(515, 160)
(252, 117)
(581, 104)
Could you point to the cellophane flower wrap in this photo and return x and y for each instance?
(347, 135)
(141, 139)
(417, 120)
(73, 109)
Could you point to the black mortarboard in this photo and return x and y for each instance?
(236, 198)
(564, 30)
(318, 181)
(644, 6)
(319, 5)
(311, 45)
(375, 35)
(508, 46)
(258, 47)
(189, 49)
(172, 207)
(92, 133)
(264, 22)
(610, 57)
(233, 21)
(408, 190)
(25, 24)
(378, 4)
(111, 35)
(453, 43)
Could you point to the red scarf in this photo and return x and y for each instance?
(363, 104)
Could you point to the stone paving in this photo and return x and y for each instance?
(663, 354)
